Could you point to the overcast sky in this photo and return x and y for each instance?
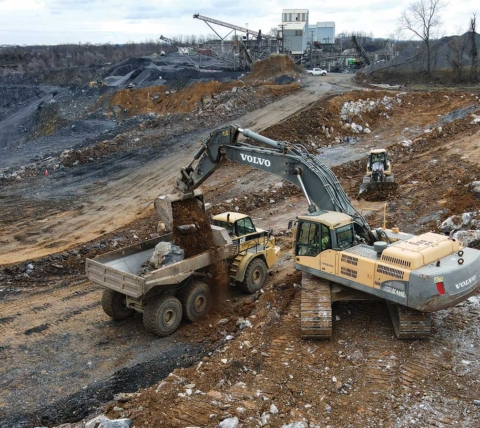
(118, 21)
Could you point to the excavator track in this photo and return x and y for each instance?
(409, 323)
(315, 308)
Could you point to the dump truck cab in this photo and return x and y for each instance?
(238, 225)
(249, 242)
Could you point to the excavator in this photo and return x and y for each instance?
(339, 255)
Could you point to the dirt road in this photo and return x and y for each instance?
(100, 197)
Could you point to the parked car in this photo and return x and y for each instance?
(317, 72)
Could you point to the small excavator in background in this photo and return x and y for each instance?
(339, 255)
(96, 84)
(379, 173)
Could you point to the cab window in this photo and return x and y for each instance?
(345, 236)
(244, 226)
(225, 225)
(312, 238)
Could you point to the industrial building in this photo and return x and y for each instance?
(298, 37)
(293, 30)
(322, 33)
(311, 45)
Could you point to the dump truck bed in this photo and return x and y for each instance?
(118, 269)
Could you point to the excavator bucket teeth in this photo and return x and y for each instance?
(163, 205)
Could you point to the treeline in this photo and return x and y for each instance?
(37, 58)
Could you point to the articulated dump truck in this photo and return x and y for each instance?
(181, 290)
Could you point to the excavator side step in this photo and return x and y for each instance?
(315, 308)
(409, 323)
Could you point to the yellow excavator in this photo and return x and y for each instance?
(339, 255)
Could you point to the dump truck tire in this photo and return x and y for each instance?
(195, 299)
(162, 315)
(113, 304)
(255, 276)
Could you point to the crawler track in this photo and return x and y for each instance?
(315, 308)
(409, 323)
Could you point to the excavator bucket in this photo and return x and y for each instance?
(163, 205)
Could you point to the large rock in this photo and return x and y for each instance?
(229, 423)
(469, 238)
(166, 253)
(95, 422)
(461, 222)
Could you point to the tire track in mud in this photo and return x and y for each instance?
(62, 356)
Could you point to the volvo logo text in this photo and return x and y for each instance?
(255, 160)
(465, 283)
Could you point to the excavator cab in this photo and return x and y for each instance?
(323, 231)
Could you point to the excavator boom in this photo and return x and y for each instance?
(291, 162)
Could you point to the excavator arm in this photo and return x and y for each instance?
(291, 162)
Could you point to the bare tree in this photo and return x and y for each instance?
(421, 18)
(455, 53)
(473, 49)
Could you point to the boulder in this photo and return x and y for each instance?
(166, 253)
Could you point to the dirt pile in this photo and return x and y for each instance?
(272, 67)
(330, 122)
(159, 100)
(190, 212)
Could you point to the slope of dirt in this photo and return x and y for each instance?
(272, 67)
(160, 100)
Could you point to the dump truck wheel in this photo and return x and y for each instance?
(162, 315)
(114, 305)
(195, 300)
(255, 276)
